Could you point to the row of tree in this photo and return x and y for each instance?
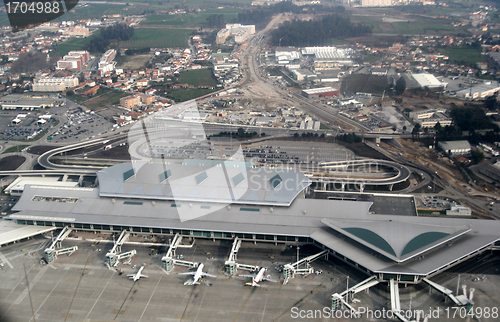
(317, 32)
(114, 33)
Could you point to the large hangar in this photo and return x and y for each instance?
(258, 205)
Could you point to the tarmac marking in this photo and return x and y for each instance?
(189, 300)
(74, 294)
(32, 284)
(97, 300)
(124, 300)
(298, 302)
(5, 260)
(204, 293)
(253, 290)
(147, 304)
(36, 313)
(264, 311)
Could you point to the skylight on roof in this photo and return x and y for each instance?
(237, 179)
(201, 177)
(128, 174)
(275, 181)
(165, 175)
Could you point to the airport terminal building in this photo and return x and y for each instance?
(213, 199)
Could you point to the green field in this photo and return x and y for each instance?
(187, 94)
(469, 55)
(158, 38)
(74, 44)
(199, 77)
(190, 20)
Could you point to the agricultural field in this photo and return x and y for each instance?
(469, 55)
(102, 100)
(362, 83)
(157, 38)
(135, 61)
(190, 20)
(187, 94)
(199, 77)
(97, 10)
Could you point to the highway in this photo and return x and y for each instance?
(454, 192)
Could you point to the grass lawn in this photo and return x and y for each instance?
(371, 58)
(109, 97)
(157, 38)
(199, 77)
(16, 148)
(469, 55)
(74, 44)
(187, 94)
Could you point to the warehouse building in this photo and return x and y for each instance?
(320, 92)
(455, 147)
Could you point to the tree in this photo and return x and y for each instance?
(296, 135)
(70, 93)
(438, 128)
(394, 129)
(490, 102)
(400, 86)
(477, 156)
(415, 131)
(241, 132)
(404, 128)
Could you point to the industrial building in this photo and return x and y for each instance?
(320, 92)
(54, 84)
(480, 91)
(428, 81)
(455, 147)
(29, 102)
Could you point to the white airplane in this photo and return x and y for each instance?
(197, 275)
(256, 278)
(137, 275)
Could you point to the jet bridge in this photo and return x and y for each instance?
(113, 257)
(459, 300)
(289, 270)
(169, 260)
(51, 252)
(230, 266)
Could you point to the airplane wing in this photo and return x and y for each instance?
(144, 276)
(269, 280)
(209, 275)
(250, 276)
(131, 275)
(187, 273)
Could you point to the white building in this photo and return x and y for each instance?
(480, 91)
(455, 147)
(459, 211)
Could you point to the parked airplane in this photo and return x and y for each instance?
(256, 278)
(197, 275)
(137, 275)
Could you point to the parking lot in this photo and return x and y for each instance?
(79, 126)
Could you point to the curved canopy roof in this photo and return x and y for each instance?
(395, 239)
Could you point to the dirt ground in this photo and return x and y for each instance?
(136, 61)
